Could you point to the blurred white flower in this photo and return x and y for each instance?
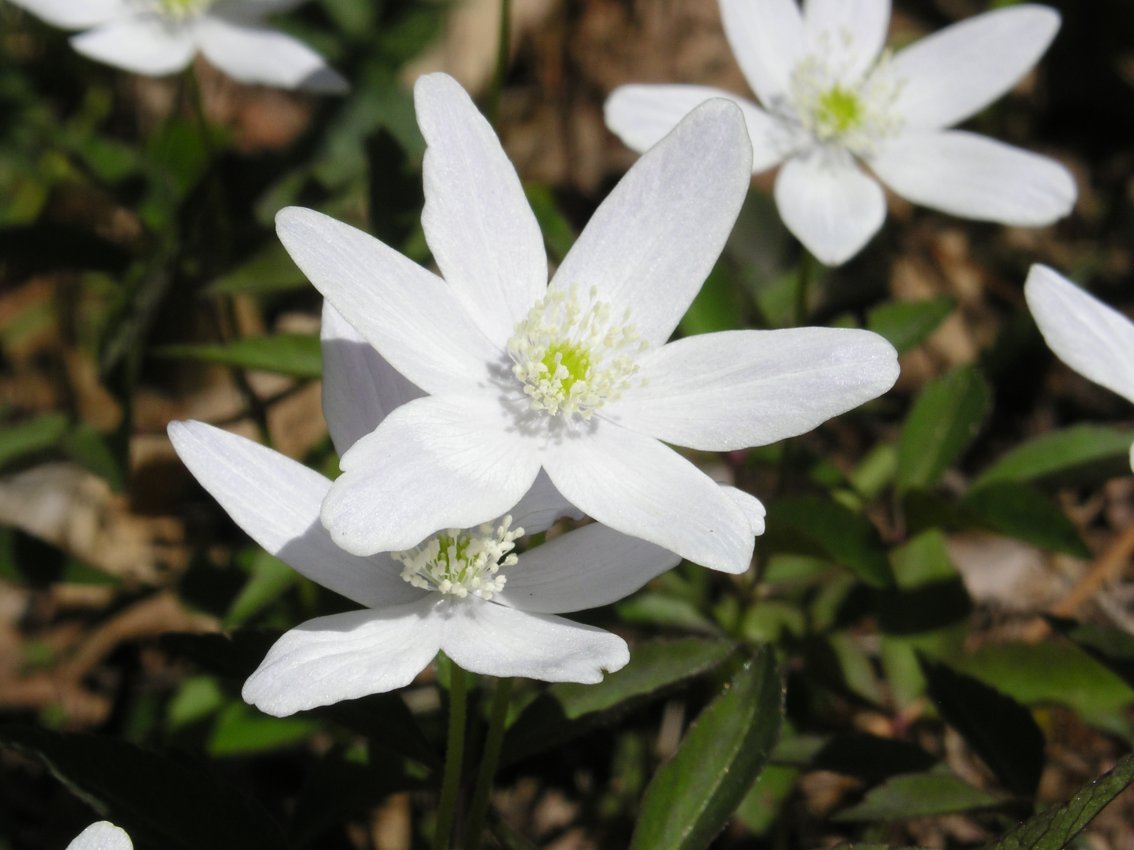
(102, 835)
(1093, 339)
(834, 101)
(574, 377)
(159, 37)
(461, 591)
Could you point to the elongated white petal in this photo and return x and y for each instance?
(102, 835)
(731, 390)
(636, 485)
(959, 70)
(1092, 338)
(750, 507)
(541, 506)
(277, 502)
(976, 177)
(76, 14)
(359, 387)
(850, 33)
(494, 640)
(346, 656)
(829, 204)
(581, 569)
(768, 39)
(404, 311)
(250, 53)
(641, 115)
(435, 463)
(653, 241)
(477, 220)
(143, 45)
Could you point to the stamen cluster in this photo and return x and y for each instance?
(182, 9)
(465, 562)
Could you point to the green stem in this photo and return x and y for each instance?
(490, 758)
(503, 49)
(447, 809)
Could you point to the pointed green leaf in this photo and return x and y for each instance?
(1023, 512)
(31, 436)
(907, 323)
(269, 270)
(919, 795)
(287, 354)
(1077, 455)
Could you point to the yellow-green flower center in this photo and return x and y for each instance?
(462, 562)
(567, 364)
(181, 9)
(838, 110)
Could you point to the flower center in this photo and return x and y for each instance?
(182, 9)
(459, 562)
(838, 111)
(572, 356)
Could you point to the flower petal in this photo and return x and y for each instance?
(477, 220)
(1092, 338)
(434, 463)
(359, 387)
(102, 835)
(768, 39)
(641, 116)
(976, 177)
(277, 502)
(72, 15)
(581, 569)
(829, 204)
(750, 507)
(255, 54)
(144, 45)
(494, 640)
(638, 486)
(541, 506)
(346, 656)
(855, 30)
(404, 311)
(734, 389)
(959, 70)
(653, 241)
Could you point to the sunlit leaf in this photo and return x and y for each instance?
(288, 354)
(907, 323)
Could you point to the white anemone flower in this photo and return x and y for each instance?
(102, 835)
(834, 102)
(1093, 339)
(574, 378)
(465, 592)
(160, 37)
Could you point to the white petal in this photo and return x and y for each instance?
(102, 835)
(346, 656)
(144, 45)
(76, 14)
(359, 387)
(956, 72)
(976, 177)
(434, 463)
(768, 39)
(581, 569)
(477, 220)
(497, 641)
(640, 487)
(750, 507)
(277, 502)
(541, 506)
(254, 54)
(853, 30)
(653, 241)
(641, 116)
(1092, 338)
(829, 204)
(404, 311)
(734, 389)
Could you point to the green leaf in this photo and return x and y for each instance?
(1020, 511)
(919, 795)
(556, 229)
(1111, 647)
(943, 421)
(29, 437)
(287, 354)
(241, 730)
(1055, 829)
(654, 608)
(907, 323)
(269, 578)
(717, 306)
(1083, 454)
(693, 795)
(269, 270)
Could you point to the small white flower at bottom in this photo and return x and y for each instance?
(102, 835)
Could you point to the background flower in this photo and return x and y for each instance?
(102, 835)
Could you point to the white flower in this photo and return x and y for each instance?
(833, 101)
(574, 378)
(462, 591)
(159, 37)
(102, 835)
(1093, 339)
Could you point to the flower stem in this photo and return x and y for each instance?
(490, 758)
(503, 48)
(808, 272)
(447, 809)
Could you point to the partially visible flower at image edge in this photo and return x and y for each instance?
(573, 377)
(832, 100)
(463, 591)
(102, 835)
(160, 37)
(1092, 338)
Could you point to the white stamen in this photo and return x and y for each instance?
(464, 562)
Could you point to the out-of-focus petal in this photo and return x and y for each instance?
(260, 55)
(144, 45)
(768, 38)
